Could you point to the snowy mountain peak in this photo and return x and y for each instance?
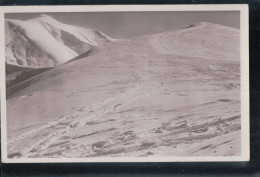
(47, 16)
(210, 25)
(44, 41)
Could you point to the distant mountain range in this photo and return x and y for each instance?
(44, 41)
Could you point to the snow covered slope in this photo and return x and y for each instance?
(44, 41)
(171, 94)
(205, 40)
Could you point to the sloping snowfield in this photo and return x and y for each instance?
(171, 94)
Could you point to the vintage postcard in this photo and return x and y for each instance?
(124, 83)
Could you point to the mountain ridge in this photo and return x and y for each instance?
(203, 41)
(44, 41)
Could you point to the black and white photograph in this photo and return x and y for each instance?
(125, 83)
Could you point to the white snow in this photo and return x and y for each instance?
(171, 94)
(44, 38)
(89, 36)
(46, 42)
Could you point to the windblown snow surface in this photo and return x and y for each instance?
(175, 93)
(44, 41)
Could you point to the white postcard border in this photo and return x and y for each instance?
(244, 63)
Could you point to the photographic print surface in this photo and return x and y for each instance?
(126, 84)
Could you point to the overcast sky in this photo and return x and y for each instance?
(129, 24)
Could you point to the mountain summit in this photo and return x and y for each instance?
(44, 41)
